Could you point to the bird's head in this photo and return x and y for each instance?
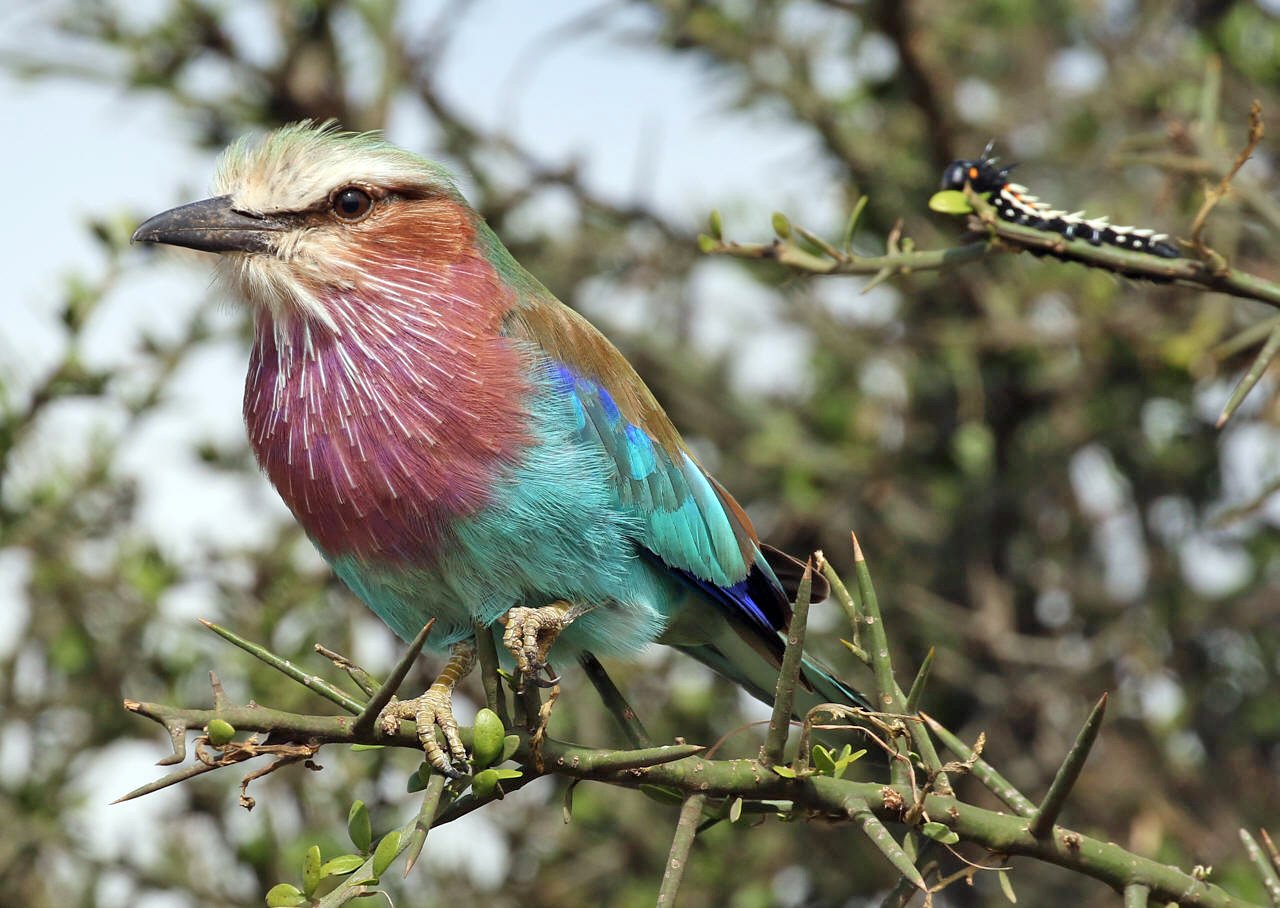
(308, 211)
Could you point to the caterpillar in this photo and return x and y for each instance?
(1013, 203)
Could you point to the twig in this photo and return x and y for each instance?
(917, 686)
(367, 716)
(681, 844)
(787, 253)
(422, 823)
(365, 681)
(847, 603)
(614, 701)
(1065, 778)
(881, 663)
(173, 778)
(487, 654)
(1260, 362)
(284, 666)
(540, 732)
(469, 802)
(1222, 518)
(1246, 338)
(1135, 895)
(1217, 193)
(983, 771)
(884, 841)
(775, 742)
(1264, 865)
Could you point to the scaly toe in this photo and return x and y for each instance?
(432, 710)
(529, 635)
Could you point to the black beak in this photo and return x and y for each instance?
(212, 225)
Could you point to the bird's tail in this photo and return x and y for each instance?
(742, 664)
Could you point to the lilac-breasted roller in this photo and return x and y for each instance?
(457, 443)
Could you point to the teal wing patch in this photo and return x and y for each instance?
(688, 526)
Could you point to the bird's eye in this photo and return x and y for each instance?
(352, 204)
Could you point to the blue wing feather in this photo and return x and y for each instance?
(687, 526)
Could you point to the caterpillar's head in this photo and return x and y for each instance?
(984, 174)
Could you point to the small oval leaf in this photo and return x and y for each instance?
(359, 827)
(717, 225)
(484, 783)
(822, 760)
(735, 810)
(343, 863)
(311, 871)
(510, 744)
(418, 780)
(220, 732)
(487, 742)
(285, 895)
(386, 852)
(950, 201)
(940, 833)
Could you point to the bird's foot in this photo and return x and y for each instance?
(434, 709)
(530, 634)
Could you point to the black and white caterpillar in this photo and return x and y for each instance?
(1013, 203)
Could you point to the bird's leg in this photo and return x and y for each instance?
(435, 709)
(531, 632)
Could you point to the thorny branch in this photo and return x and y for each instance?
(917, 795)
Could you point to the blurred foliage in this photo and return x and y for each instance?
(1025, 448)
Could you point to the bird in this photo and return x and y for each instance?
(458, 444)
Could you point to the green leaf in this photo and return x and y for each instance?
(1006, 886)
(717, 226)
(386, 852)
(785, 771)
(358, 826)
(418, 780)
(735, 810)
(508, 774)
(846, 241)
(510, 744)
(662, 794)
(311, 871)
(358, 748)
(707, 244)
(846, 760)
(822, 760)
(950, 201)
(781, 226)
(484, 783)
(220, 732)
(343, 863)
(940, 833)
(487, 740)
(285, 895)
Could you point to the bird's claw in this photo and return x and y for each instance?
(432, 710)
(529, 635)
